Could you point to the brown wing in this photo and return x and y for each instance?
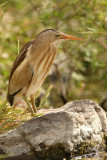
(20, 57)
(17, 83)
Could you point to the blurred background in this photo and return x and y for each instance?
(80, 67)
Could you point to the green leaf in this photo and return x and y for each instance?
(3, 106)
(46, 95)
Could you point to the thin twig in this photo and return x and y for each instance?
(3, 4)
(18, 44)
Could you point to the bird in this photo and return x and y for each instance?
(32, 65)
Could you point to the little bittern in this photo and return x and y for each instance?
(32, 66)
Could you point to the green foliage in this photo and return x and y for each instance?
(43, 100)
(8, 115)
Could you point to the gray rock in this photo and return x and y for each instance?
(58, 134)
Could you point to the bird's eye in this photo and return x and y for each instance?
(57, 35)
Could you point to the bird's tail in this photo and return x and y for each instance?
(10, 97)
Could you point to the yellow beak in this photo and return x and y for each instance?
(69, 37)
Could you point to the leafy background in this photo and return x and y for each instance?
(80, 68)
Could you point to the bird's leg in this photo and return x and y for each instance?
(33, 103)
(28, 104)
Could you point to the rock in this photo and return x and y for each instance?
(58, 134)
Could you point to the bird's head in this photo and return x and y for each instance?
(54, 36)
